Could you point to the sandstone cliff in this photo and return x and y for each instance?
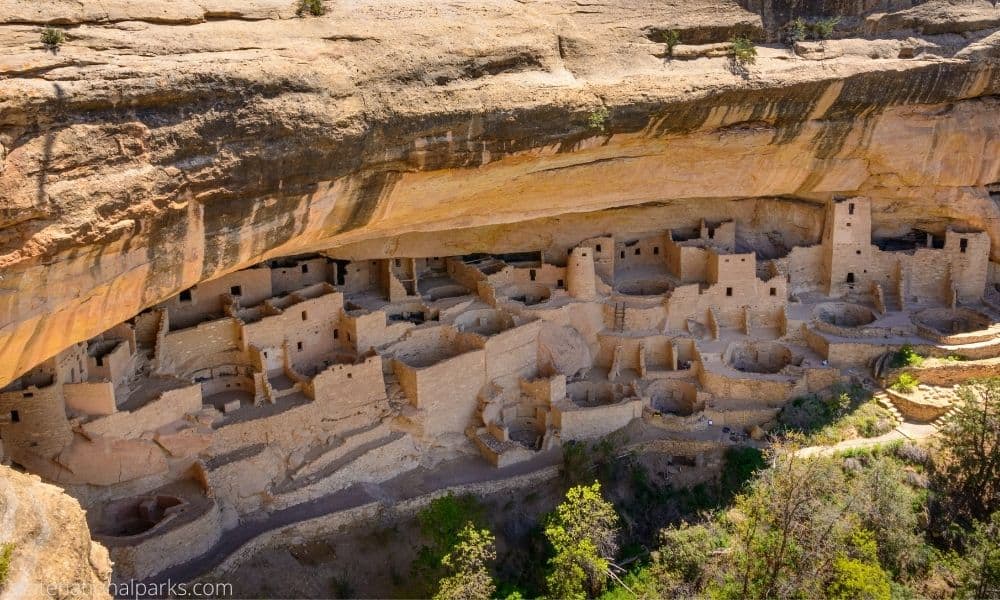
(52, 555)
(167, 143)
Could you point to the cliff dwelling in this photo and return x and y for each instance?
(283, 383)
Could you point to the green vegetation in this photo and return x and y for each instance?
(312, 7)
(468, 565)
(823, 28)
(671, 38)
(583, 532)
(890, 521)
(905, 383)
(799, 29)
(53, 37)
(598, 119)
(443, 522)
(742, 50)
(795, 31)
(906, 357)
(6, 554)
(953, 358)
(842, 415)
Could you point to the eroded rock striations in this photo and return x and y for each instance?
(249, 258)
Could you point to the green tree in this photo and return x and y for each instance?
(858, 576)
(967, 464)
(583, 531)
(786, 529)
(468, 565)
(980, 571)
(441, 522)
(890, 513)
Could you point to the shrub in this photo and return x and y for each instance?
(905, 383)
(598, 119)
(468, 565)
(742, 50)
(823, 28)
(671, 38)
(906, 357)
(53, 37)
(313, 7)
(795, 31)
(582, 531)
(6, 553)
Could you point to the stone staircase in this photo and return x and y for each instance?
(885, 401)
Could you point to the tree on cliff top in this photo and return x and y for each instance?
(583, 531)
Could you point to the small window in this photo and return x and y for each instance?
(305, 315)
(774, 291)
(656, 249)
(850, 208)
(638, 251)
(299, 346)
(350, 376)
(28, 394)
(711, 234)
(743, 260)
(850, 278)
(348, 337)
(100, 361)
(729, 291)
(623, 254)
(185, 296)
(598, 247)
(72, 374)
(236, 290)
(15, 417)
(265, 353)
(569, 251)
(559, 283)
(336, 334)
(305, 268)
(963, 245)
(397, 262)
(848, 223)
(858, 252)
(531, 274)
(584, 254)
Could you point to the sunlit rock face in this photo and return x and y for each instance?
(170, 143)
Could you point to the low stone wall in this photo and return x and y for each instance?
(586, 423)
(374, 512)
(950, 373)
(916, 411)
(170, 406)
(741, 418)
(162, 551)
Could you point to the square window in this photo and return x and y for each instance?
(305, 268)
(850, 278)
(729, 291)
(848, 224)
(236, 290)
(559, 283)
(858, 252)
(638, 251)
(774, 291)
(185, 296)
(397, 262)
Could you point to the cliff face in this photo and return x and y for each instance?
(51, 552)
(167, 143)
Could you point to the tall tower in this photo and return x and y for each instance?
(580, 278)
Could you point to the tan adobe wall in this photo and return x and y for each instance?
(512, 354)
(370, 330)
(205, 345)
(350, 387)
(645, 252)
(71, 364)
(735, 389)
(914, 410)
(41, 427)
(90, 398)
(969, 261)
(581, 276)
(546, 274)
(926, 275)
(174, 546)
(240, 485)
(448, 392)
(146, 325)
(255, 287)
(307, 327)
(359, 276)
(222, 383)
(303, 273)
(463, 274)
(114, 366)
(658, 352)
(604, 256)
(803, 268)
(735, 269)
(741, 418)
(170, 406)
(545, 390)
(576, 423)
(950, 373)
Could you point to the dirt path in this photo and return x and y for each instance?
(904, 431)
